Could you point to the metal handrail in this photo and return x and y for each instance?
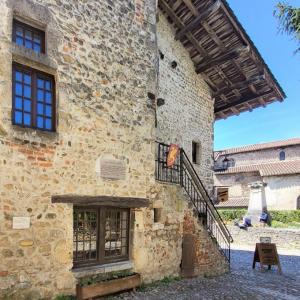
(210, 202)
(183, 173)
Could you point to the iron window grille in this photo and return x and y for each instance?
(33, 99)
(29, 37)
(101, 235)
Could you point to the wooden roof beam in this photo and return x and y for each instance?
(262, 102)
(180, 25)
(200, 17)
(232, 54)
(244, 100)
(238, 85)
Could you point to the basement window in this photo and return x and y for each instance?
(100, 235)
(28, 36)
(196, 152)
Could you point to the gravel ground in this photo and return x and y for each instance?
(241, 283)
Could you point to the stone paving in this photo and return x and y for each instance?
(241, 283)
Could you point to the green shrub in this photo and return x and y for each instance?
(232, 214)
(64, 297)
(279, 218)
(285, 216)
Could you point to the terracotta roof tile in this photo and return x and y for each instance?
(257, 147)
(234, 202)
(267, 169)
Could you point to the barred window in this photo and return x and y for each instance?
(29, 37)
(101, 235)
(33, 98)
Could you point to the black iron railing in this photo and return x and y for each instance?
(183, 173)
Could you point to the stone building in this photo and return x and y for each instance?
(86, 90)
(276, 165)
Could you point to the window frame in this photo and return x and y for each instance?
(35, 74)
(34, 30)
(196, 152)
(282, 155)
(100, 244)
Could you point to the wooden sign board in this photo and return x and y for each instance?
(266, 254)
(265, 239)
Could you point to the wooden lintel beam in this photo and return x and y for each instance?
(129, 202)
(232, 54)
(192, 25)
(242, 101)
(238, 85)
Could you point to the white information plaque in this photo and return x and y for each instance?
(21, 222)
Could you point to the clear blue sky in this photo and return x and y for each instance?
(278, 120)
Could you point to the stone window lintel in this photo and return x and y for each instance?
(30, 58)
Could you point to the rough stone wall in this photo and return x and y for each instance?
(188, 113)
(103, 62)
(282, 192)
(102, 54)
(283, 238)
(263, 156)
(160, 244)
(238, 189)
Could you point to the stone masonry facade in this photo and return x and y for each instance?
(280, 175)
(104, 58)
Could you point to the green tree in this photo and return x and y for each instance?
(289, 20)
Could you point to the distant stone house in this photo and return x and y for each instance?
(87, 89)
(275, 164)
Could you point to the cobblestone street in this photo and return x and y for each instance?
(241, 283)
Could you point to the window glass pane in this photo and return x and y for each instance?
(37, 38)
(48, 124)
(40, 83)
(18, 103)
(27, 105)
(48, 97)
(27, 119)
(115, 233)
(27, 91)
(37, 47)
(40, 95)
(28, 34)
(18, 89)
(28, 44)
(27, 79)
(85, 235)
(19, 41)
(48, 110)
(40, 122)
(18, 117)
(19, 31)
(47, 85)
(18, 76)
(40, 109)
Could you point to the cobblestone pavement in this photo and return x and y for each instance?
(241, 283)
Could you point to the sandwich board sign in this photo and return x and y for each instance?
(266, 254)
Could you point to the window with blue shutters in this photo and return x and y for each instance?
(33, 99)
